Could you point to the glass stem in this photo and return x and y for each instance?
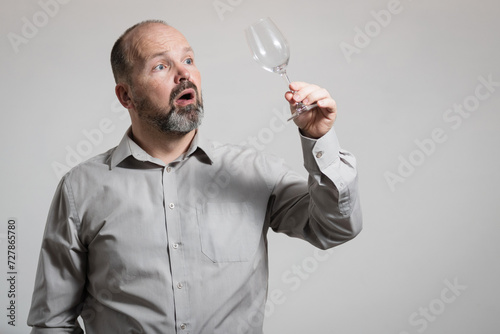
(285, 76)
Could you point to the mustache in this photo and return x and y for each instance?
(185, 84)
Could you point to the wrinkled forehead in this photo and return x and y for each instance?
(152, 39)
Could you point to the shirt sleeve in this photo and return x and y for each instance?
(60, 278)
(325, 211)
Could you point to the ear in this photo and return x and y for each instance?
(122, 92)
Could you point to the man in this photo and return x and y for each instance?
(166, 233)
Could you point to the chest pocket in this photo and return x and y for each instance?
(229, 232)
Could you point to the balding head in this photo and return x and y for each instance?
(126, 49)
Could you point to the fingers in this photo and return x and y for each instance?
(310, 94)
(289, 97)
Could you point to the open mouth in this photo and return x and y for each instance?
(185, 97)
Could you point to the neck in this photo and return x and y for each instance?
(165, 146)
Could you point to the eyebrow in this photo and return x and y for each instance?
(162, 53)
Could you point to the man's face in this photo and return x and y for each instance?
(165, 83)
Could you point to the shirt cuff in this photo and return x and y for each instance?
(320, 153)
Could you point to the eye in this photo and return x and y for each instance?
(189, 61)
(160, 67)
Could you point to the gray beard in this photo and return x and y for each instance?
(172, 119)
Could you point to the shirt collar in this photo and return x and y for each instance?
(200, 148)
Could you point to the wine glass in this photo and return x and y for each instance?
(270, 49)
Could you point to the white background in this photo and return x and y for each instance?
(438, 223)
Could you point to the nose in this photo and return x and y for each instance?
(182, 74)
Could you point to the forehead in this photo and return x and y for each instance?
(155, 38)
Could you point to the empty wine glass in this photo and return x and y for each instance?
(270, 49)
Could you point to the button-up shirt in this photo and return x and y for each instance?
(134, 245)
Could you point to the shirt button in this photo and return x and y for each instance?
(169, 169)
(183, 326)
(175, 246)
(171, 206)
(179, 285)
(319, 154)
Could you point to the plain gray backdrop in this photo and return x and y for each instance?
(417, 84)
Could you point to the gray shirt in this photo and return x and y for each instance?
(136, 246)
